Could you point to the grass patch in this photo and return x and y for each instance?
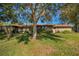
(67, 46)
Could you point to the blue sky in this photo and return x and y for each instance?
(55, 19)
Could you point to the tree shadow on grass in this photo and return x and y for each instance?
(24, 37)
(49, 35)
(42, 35)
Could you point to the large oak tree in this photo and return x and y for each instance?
(36, 11)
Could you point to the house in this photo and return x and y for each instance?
(56, 28)
(48, 27)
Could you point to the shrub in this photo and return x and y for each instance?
(24, 37)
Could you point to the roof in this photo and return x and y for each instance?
(49, 25)
(45, 25)
(62, 25)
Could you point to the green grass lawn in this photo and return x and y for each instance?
(66, 44)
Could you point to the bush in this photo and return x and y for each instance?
(24, 37)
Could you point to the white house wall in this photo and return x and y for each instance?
(61, 29)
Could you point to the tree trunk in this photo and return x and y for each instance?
(8, 31)
(34, 32)
(34, 27)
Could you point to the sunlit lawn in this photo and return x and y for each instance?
(66, 44)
